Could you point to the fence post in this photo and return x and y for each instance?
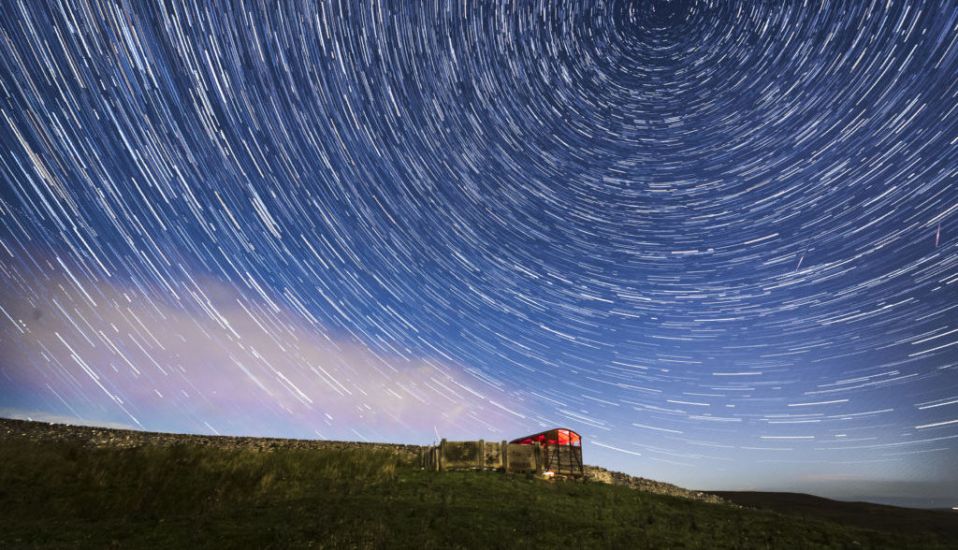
(504, 455)
(482, 454)
(434, 451)
(442, 454)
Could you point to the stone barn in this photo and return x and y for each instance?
(561, 451)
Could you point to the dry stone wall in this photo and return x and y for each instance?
(122, 439)
(601, 475)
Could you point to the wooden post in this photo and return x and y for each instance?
(442, 454)
(538, 456)
(504, 455)
(482, 454)
(435, 458)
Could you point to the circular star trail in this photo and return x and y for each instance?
(711, 236)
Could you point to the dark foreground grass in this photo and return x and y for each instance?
(60, 494)
(941, 523)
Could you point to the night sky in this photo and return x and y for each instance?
(719, 239)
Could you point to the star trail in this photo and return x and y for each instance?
(719, 239)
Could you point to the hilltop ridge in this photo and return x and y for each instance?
(74, 486)
(118, 438)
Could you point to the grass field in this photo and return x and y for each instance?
(65, 494)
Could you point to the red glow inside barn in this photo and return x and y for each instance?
(558, 436)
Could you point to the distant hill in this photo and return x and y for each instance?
(65, 486)
(942, 523)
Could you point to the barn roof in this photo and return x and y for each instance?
(555, 436)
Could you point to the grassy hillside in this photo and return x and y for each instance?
(66, 493)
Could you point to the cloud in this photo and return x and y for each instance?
(201, 356)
